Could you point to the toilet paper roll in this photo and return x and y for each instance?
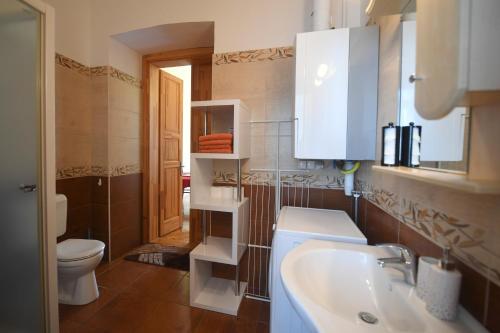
(424, 267)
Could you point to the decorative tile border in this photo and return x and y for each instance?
(73, 172)
(97, 70)
(122, 76)
(125, 170)
(72, 64)
(274, 53)
(95, 170)
(307, 179)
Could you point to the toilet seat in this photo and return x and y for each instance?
(78, 249)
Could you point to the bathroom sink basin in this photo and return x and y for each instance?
(339, 287)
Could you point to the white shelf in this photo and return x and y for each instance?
(219, 156)
(451, 180)
(217, 249)
(219, 205)
(216, 103)
(219, 295)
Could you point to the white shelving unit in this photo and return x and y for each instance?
(206, 291)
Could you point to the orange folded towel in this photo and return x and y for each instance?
(216, 147)
(216, 136)
(215, 142)
(225, 151)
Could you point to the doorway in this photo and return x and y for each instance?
(171, 80)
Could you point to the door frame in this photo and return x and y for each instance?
(150, 158)
(47, 171)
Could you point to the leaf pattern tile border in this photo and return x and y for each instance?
(274, 53)
(94, 170)
(74, 65)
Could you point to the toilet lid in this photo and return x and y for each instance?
(76, 249)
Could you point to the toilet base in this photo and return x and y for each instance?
(80, 291)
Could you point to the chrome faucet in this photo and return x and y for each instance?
(405, 262)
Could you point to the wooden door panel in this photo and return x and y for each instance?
(171, 150)
(170, 153)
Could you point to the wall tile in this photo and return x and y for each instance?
(126, 188)
(380, 226)
(493, 319)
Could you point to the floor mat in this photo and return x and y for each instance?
(161, 255)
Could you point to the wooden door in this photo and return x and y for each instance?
(170, 177)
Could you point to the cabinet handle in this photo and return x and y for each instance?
(296, 131)
(27, 188)
(414, 78)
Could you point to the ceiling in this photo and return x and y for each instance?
(169, 37)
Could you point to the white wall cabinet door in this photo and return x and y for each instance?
(321, 94)
(442, 55)
(458, 55)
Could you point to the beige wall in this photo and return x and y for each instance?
(73, 121)
(125, 123)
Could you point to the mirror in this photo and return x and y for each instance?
(444, 142)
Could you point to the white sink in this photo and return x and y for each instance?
(330, 284)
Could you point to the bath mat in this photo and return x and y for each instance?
(161, 255)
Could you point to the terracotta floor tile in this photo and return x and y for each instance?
(122, 275)
(254, 310)
(214, 322)
(125, 313)
(171, 317)
(157, 282)
(82, 314)
(69, 326)
(180, 292)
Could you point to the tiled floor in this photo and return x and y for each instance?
(137, 297)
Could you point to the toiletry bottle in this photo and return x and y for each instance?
(444, 288)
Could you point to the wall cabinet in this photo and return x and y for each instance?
(458, 48)
(336, 75)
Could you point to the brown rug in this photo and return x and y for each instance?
(161, 255)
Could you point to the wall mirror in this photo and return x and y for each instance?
(444, 142)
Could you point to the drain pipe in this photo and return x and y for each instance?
(321, 15)
(356, 195)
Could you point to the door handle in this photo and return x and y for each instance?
(27, 188)
(414, 78)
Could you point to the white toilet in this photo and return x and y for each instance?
(76, 262)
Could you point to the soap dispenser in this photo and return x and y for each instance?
(445, 279)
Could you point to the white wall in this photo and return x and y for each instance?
(124, 58)
(239, 24)
(184, 73)
(72, 25)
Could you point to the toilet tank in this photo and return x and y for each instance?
(61, 213)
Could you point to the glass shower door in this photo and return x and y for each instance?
(21, 300)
